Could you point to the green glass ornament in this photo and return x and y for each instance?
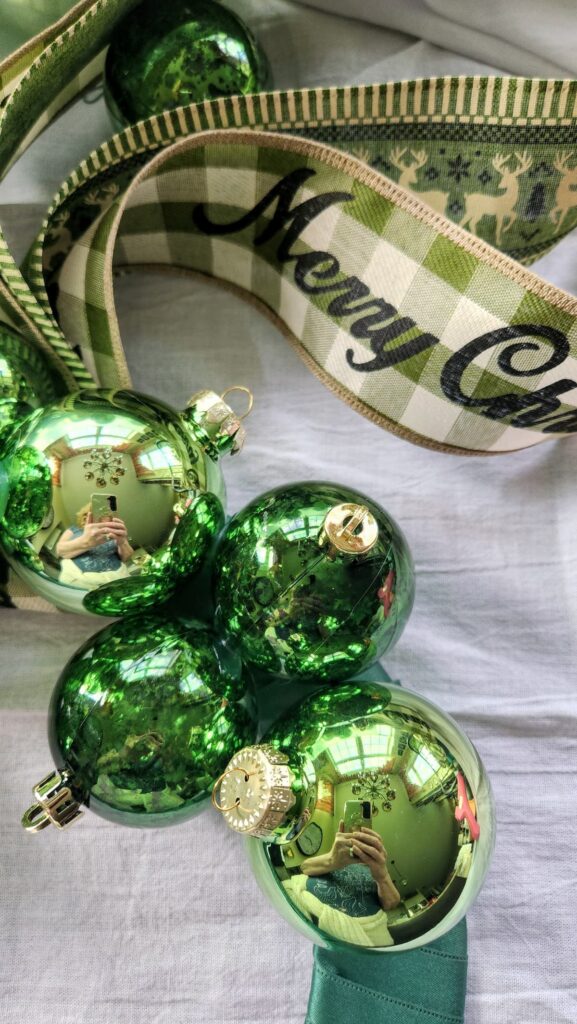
(143, 718)
(29, 492)
(368, 814)
(313, 581)
(26, 380)
(114, 497)
(192, 540)
(170, 55)
(4, 485)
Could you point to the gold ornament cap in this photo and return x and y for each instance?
(254, 792)
(349, 529)
(55, 804)
(216, 425)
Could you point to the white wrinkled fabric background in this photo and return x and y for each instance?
(104, 925)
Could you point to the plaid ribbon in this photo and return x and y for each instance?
(386, 230)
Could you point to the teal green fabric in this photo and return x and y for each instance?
(421, 986)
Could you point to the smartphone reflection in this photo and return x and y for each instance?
(348, 890)
(95, 549)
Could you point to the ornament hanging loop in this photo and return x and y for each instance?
(216, 426)
(246, 391)
(55, 804)
(228, 771)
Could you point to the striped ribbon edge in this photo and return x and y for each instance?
(27, 78)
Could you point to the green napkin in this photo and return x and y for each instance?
(421, 986)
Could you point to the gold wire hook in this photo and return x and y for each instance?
(236, 804)
(247, 391)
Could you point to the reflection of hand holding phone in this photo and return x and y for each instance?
(357, 814)
(103, 505)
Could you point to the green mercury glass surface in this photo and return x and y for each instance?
(195, 533)
(109, 455)
(192, 540)
(384, 750)
(4, 485)
(294, 611)
(29, 493)
(128, 595)
(146, 715)
(173, 54)
(26, 380)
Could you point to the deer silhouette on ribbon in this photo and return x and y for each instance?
(566, 194)
(408, 176)
(501, 207)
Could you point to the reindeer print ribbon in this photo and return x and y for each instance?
(385, 229)
(503, 205)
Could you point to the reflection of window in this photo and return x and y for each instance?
(156, 665)
(112, 433)
(158, 458)
(380, 743)
(423, 768)
(266, 555)
(302, 527)
(363, 750)
(345, 753)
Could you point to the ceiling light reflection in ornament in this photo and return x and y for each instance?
(373, 786)
(104, 465)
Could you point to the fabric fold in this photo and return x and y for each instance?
(421, 986)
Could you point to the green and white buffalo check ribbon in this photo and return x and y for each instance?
(386, 229)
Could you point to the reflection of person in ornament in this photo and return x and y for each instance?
(340, 896)
(90, 547)
(367, 846)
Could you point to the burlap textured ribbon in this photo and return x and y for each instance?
(417, 323)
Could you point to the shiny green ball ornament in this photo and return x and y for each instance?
(4, 485)
(143, 718)
(114, 497)
(314, 582)
(368, 815)
(169, 55)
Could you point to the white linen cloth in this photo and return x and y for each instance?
(104, 925)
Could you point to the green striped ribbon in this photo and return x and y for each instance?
(385, 229)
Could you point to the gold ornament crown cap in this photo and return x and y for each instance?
(254, 792)
(216, 425)
(349, 529)
(55, 804)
